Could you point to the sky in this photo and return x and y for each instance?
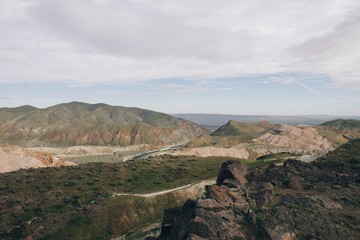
(250, 57)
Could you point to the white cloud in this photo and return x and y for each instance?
(336, 53)
(106, 40)
(283, 79)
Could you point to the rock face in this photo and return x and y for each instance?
(220, 216)
(319, 200)
(92, 124)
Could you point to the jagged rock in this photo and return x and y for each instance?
(220, 216)
(264, 207)
(279, 233)
(328, 203)
(264, 196)
(220, 194)
(195, 237)
(232, 173)
(210, 204)
(268, 186)
(295, 182)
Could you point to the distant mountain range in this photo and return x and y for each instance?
(78, 123)
(213, 121)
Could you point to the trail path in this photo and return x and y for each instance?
(201, 184)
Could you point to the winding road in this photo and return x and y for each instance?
(149, 153)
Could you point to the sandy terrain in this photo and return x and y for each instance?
(298, 138)
(302, 140)
(213, 151)
(13, 162)
(13, 158)
(91, 150)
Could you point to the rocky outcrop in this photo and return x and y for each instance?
(220, 216)
(319, 200)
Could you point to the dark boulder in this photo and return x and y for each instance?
(232, 174)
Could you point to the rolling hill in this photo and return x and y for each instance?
(231, 134)
(247, 130)
(339, 131)
(78, 123)
(254, 140)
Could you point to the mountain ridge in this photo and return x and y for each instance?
(78, 123)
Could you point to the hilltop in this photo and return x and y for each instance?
(247, 131)
(78, 123)
(231, 134)
(254, 140)
(339, 131)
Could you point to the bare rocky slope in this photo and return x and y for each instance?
(297, 137)
(319, 200)
(13, 158)
(247, 130)
(92, 124)
(231, 134)
(250, 141)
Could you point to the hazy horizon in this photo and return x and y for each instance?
(199, 113)
(242, 58)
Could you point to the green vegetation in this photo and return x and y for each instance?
(342, 124)
(335, 138)
(79, 197)
(63, 193)
(340, 130)
(349, 152)
(278, 156)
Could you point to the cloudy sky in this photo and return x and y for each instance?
(183, 56)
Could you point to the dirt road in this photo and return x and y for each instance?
(189, 187)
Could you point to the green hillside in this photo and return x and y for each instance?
(340, 131)
(348, 152)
